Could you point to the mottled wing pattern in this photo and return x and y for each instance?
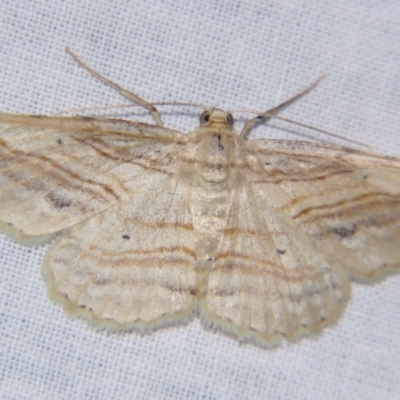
(58, 171)
(132, 265)
(268, 280)
(346, 201)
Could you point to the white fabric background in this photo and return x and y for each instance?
(251, 54)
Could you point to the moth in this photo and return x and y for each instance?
(259, 238)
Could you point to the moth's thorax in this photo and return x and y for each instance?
(217, 147)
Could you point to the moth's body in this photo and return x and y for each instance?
(212, 167)
(261, 238)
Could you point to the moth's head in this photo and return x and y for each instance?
(216, 117)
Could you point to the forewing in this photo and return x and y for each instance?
(56, 172)
(268, 280)
(348, 202)
(132, 265)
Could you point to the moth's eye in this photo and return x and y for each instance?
(230, 119)
(204, 117)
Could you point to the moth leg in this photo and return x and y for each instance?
(129, 95)
(273, 111)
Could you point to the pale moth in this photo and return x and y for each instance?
(260, 238)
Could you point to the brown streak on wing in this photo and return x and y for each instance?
(301, 273)
(298, 200)
(237, 231)
(56, 165)
(303, 178)
(238, 256)
(347, 202)
(159, 250)
(73, 124)
(114, 158)
(161, 225)
(50, 174)
(308, 149)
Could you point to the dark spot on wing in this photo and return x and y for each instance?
(126, 237)
(58, 201)
(343, 232)
(36, 185)
(281, 251)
